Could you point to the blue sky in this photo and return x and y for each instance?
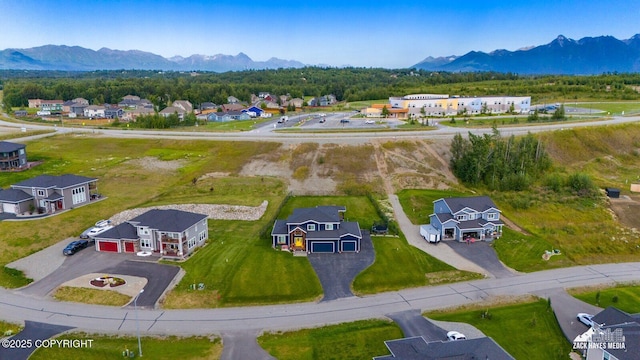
(372, 33)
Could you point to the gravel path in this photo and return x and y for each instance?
(213, 211)
(42, 263)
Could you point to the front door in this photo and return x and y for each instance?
(298, 241)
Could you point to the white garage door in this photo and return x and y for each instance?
(9, 208)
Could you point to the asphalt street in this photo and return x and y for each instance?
(93, 318)
(28, 340)
(414, 324)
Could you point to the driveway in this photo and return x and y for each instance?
(414, 324)
(87, 261)
(337, 271)
(242, 345)
(566, 308)
(32, 332)
(482, 254)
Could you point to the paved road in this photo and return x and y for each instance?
(266, 134)
(15, 307)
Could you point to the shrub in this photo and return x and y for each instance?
(581, 184)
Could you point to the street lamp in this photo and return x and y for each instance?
(135, 309)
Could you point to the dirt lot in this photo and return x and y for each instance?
(627, 209)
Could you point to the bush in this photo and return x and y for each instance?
(581, 184)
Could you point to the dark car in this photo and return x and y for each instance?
(75, 246)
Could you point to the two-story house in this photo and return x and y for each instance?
(467, 218)
(318, 229)
(48, 194)
(174, 234)
(12, 156)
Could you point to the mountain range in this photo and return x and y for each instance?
(589, 55)
(76, 58)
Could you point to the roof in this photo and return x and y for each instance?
(168, 220)
(121, 231)
(478, 203)
(171, 110)
(51, 181)
(613, 319)
(417, 348)
(14, 196)
(6, 146)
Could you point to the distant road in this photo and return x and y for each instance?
(266, 133)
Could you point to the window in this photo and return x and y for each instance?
(192, 242)
(41, 193)
(311, 227)
(21, 151)
(145, 231)
(202, 236)
(145, 243)
(78, 195)
(461, 217)
(282, 239)
(328, 226)
(492, 216)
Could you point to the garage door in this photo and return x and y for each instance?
(109, 246)
(9, 208)
(349, 246)
(322, 247)
(129, 246)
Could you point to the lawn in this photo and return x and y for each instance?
(125, 184)
(526, 331)
(418, 268)
(615, 108)
(112, 347)
(581, 228)
(91, 296)
(356, 340)
(7, 327)
(623, 297)
(359, 208)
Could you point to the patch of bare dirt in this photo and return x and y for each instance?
(626, 210)
(155, 164)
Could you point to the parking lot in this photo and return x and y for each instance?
(334, 120)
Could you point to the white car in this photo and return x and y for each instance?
(370, 122)
(454, 336)
(99, 227)
(586, 319)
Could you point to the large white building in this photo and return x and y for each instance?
(444, 105)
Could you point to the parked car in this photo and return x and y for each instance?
(370, 122)
(344, 121)
(586, 319)
(454, 336)
(99, 227)
(74, 247)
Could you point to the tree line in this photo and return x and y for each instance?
(498, 163)
(347, 84)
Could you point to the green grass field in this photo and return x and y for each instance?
(418, 268)
(526, 331)
(91, 296)
(623, 297)
(112, 347)
(357, 340)
(7, 327)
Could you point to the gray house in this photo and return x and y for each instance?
(318, 229)
(173, 234)
(466, 219)
(14, 201)
(12, 156)
(51, 193)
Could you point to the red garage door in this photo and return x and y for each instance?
(110, 246)
(129, 246)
